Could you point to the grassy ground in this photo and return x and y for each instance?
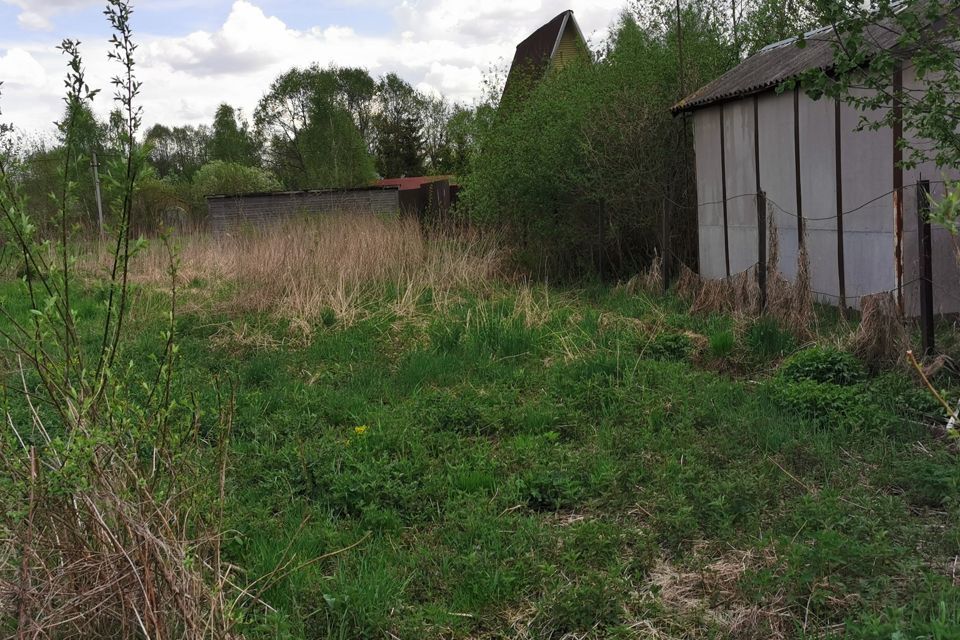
(580, 462)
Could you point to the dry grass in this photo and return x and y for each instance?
(881, 339)
(699, 602)
(650, 281)
(108, 544)
(343, 264)
(790, 303)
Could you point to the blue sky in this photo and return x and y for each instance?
(196, 54)
(175, 17)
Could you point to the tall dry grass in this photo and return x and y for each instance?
(308, 267)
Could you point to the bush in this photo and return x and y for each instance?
(827, 405)
(559, 173)
(229, 178)
(823, 364)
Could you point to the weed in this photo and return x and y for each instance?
(595, 601)
(767, 340)
(722, 344)
(674, 347)
(828, 405)
(820, 364)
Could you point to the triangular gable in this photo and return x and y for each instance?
(534, 55)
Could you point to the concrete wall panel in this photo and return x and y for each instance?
(706, 125)
(778, 174)
(741, 184)
(946, 268)
(818, 185)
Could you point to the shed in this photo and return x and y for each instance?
(424, 196)
(842, 193)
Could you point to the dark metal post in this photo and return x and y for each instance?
(762, 248)
(796, 166)
(926, 266)
(838, 162)
(665, 244)
(898, 190)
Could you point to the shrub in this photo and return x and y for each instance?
(229, 178)
(827, 405)
(823, 364)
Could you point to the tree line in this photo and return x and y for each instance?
(577, 176)
(314, 127)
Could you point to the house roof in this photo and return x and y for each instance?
(534, 53)
(405, 184)
(779, 62)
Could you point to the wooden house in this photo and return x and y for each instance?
(555, 45)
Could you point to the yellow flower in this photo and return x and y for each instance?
(360, 430)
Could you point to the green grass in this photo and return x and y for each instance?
(582, 470)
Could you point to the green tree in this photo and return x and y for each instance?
(179, 152)
(398, 128)
(231, 139)
(312, 140)
(465, 128)
(356, 91)
(230, 178)
(437, 143)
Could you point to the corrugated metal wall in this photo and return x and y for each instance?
(229, 213)
(726, 143)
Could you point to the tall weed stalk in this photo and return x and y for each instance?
(105, 522)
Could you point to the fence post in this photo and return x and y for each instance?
(926, 266)
(665, 244)
(762, 248)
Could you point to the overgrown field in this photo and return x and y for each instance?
(473, 458)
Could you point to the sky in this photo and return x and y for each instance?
(196, 54)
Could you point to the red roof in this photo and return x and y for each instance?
(406, 184)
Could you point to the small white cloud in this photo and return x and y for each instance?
(19, 67)
(34, 21)
(36, 14)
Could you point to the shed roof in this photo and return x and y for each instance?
(405, 184)
(779, 62)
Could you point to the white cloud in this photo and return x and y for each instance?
(437, 45)
(35, 15)
(19, 67)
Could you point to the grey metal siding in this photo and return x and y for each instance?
(230, 213)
